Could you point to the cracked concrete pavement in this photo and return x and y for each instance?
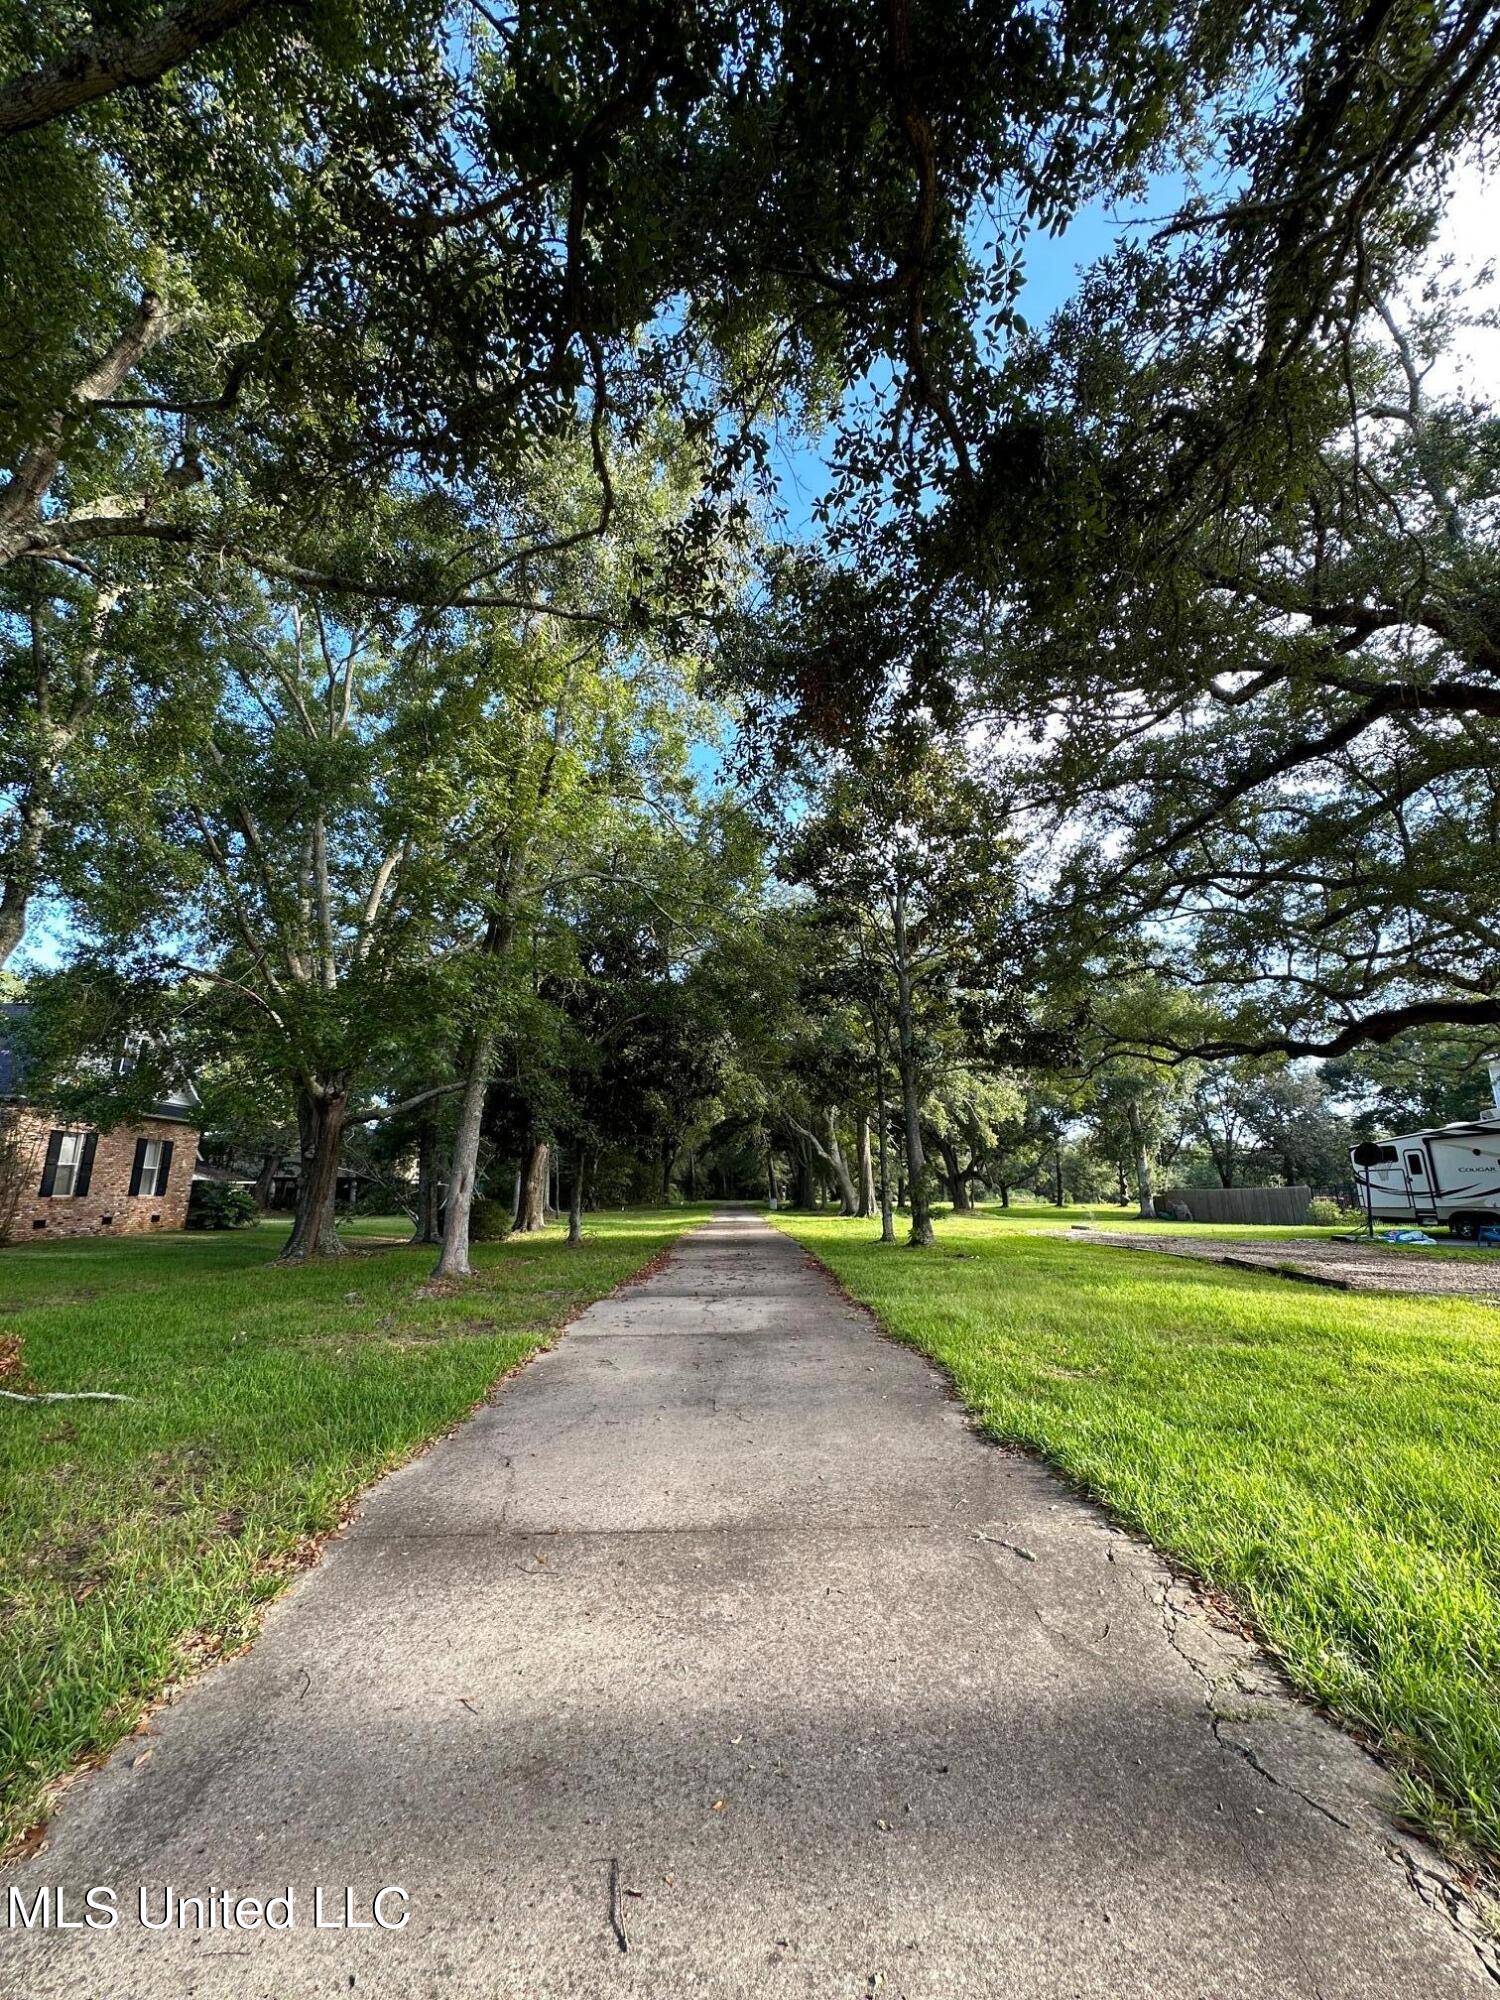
(718, 1656)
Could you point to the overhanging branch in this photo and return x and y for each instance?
(91, 70)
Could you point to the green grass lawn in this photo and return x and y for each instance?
(139, 1538)
(1328, 1459)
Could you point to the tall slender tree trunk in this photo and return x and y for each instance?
(771, 1202)
(920, 1237)
(453, 1260)
(534, 1181)
(848, 1199)
(866, 1166)
(883, 1118)
(270, 1164)
(807, 1186)
(426, 1229)
(463, 1167)
(1058, 1201)
(575, 1193)
(1005, 1194)
(1145, 1193)
(321, 1115)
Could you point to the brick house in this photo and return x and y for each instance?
(60, 1179)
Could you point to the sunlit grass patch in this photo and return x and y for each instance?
(1329, 1459)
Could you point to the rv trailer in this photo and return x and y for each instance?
(1447, 1174)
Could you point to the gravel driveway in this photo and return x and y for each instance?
(1353, 1266)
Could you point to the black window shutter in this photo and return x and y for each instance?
(136, 1165)
(165, 1168)
(85, 1171)
(49, 1170)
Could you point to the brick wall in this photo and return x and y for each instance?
(108, 1209)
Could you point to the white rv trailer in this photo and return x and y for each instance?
(1448, 1174)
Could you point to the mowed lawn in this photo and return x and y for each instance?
(1328, 1459)
(138, 1539)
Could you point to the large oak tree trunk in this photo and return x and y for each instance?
(533, 1206)
(320, 1129)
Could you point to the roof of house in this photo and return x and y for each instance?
(177, 1104)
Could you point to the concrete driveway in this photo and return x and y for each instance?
(718, 1657)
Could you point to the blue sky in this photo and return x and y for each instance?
(1053, 266)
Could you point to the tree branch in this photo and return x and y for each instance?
(90, 70)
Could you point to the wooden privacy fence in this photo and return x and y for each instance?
(1263, 1204)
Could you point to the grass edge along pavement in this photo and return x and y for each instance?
(143, 1540)
(1326, 1460)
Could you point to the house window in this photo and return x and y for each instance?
(152, 1168)
(69, 1160)
(69, 1165)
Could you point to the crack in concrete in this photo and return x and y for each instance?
(1216, 1723)
(1446, 1898)
(1439, 1893)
